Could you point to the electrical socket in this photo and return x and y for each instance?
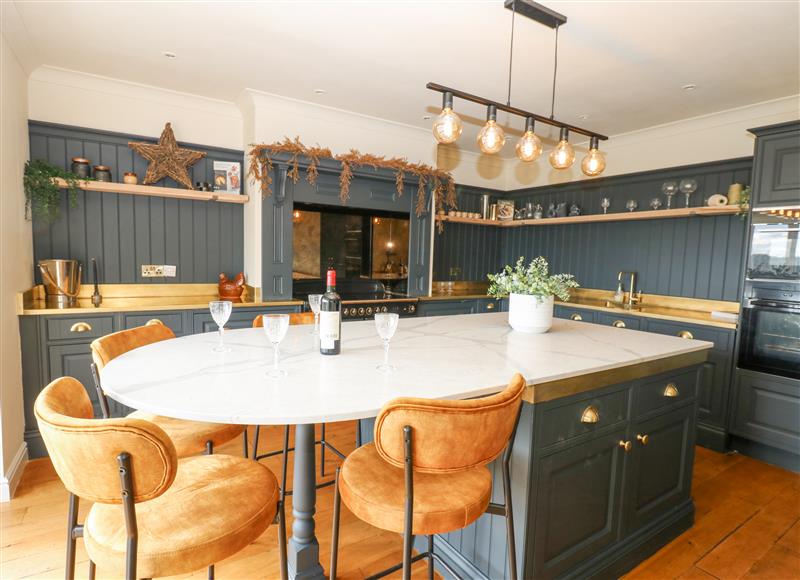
(153, 271)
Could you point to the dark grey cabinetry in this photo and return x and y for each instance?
(776, 174)
(58, 345)
(767, 410)
(618, 320)
(577, 314)
(446, 307)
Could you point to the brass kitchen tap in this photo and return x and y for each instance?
(633, 301)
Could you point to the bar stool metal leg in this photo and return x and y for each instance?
(408, 528)
(430, 557)
(72, 523)
(337, 500)
(92, 570)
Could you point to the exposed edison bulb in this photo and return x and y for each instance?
(492, 137)
(529, 146)
(595, 162)
(563, 156)
(447, 126)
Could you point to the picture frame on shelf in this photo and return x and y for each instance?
(228, 177)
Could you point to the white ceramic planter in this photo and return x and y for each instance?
(530, 313)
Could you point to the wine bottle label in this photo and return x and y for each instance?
(328, 329)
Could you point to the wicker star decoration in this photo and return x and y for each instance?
(167, 159)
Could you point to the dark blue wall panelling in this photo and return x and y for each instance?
(202, 238)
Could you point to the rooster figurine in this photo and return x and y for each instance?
(231, 289)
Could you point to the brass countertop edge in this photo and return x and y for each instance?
(26, 311)
(585, 383)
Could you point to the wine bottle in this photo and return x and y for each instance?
(330, 318)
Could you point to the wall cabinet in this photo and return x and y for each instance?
(776, 174)
(58, 345)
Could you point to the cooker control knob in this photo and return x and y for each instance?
(369, 310)
(412, 308)
(385, 309)
(361, 311)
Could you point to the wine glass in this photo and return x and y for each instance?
(632, 204)
(386, 324)
(605, 203)
(220, 312)
(655, 203)
(276, 325)
(313, 302)
(688, 187)
(669, 188)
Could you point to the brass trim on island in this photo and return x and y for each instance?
(552, 390)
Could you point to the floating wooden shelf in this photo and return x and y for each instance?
(601, 217)
(115, 187)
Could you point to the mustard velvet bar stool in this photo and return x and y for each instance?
(153, 514)
(295, 318)
(426, 471)
(189, 437)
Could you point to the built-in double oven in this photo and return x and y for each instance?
(770, 329)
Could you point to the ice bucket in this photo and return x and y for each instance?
(62, 280)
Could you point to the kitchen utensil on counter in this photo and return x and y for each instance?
(717, 200)
(669, 188)
(62, 280)
(80, 167)
(231, 289)
(102, 173)
(97, 299)
(687, 188)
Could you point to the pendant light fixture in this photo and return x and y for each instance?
(492, 137)
(563, 156)
(595, 162)
(529, 146)
(447, 126)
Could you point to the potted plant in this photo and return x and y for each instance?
(531, 290)
(43, 194)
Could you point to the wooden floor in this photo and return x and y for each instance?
(747, 525)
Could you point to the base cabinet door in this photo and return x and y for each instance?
(658, 473)
(577, 504)
(447, 307)
(767, 410)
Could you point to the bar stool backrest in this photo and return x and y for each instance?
(294, 318)
(108, 347)
(449, 436)
(85, 451)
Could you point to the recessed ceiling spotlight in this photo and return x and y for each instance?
(426, 117)
(583, 116)
(320, 91)
(169, 54)
(689, 87)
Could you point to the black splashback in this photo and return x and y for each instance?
(202, 238)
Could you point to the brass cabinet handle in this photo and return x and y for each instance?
(626, 445)
(686, 334)
(80, 327)
(618, 324)
(671, 390)
(643, 439)
(153, 321)
(577, 317)
(590, 415)
(490, 306)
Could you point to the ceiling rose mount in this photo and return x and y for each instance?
(447, 126)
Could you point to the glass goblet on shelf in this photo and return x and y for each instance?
(386, 325)
(313, 302)
(605, 203)
(220, 312)
(669, 188)
(632, 205)
(687, 188)
(275, 327)
(655, 203)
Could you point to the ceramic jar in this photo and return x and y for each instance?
(532, 314)
(102, 173)
(80, 167)
(130, 178)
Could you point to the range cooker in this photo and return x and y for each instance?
(361, 298)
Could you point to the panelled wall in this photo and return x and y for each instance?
(202, 238)
(699, 257)
(466, 252)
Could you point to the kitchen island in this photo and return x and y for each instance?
(602, 463)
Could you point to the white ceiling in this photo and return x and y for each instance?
(621, 63)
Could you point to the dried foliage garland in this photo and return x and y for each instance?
(443, 184)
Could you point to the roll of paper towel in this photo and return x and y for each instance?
(717, 200)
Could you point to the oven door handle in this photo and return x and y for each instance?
(775, 304)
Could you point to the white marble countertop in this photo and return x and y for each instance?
(452, 357)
